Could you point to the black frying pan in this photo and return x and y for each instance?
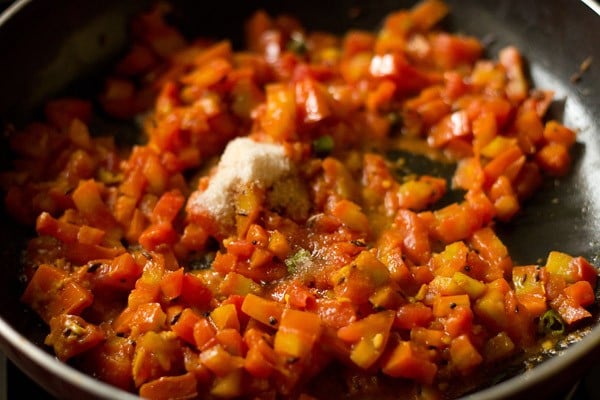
(57, 47)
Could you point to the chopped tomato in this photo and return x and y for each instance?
(284, 219)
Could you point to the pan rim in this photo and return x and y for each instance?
(59, 369)
(10, 337)
(593, 4)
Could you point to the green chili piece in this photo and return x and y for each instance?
(297, 44)
(395, 119)
(201, 261)
(551, 323)
(323, 145)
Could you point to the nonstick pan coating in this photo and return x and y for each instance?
(50, 48)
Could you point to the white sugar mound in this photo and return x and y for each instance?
(244, 161)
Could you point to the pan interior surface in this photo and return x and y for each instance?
(78, 43)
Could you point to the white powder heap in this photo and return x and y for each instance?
(244, 161)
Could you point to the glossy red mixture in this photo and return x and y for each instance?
(261, 238)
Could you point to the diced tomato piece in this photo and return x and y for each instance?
(450, 51)
(297, 333)
(171, 283)
(413, 315)
(260, 360)
(140, 319)
(219, 361)
(204, 333)
(225, 317)
(266, 311)
(51, 293)
(581, 292)
(416, 236)
(279, 117)
(156, 354)
(167, 207)
(335, 313)
(443, 305)
(88, 200)
(491, 248)
(568, 308)
(395, 67)
(71, 335)
(554, 159)
(120, 273)
(556, 132)
(529, 288)
(517, 87)
(463, 355)
(572, 269)
(184, 326)
(110, 361)
(455, 222)
(208, 74)
(369, 335)
(232, 341)
(312, 101)
(179, 387)
(62, 112)
(427, 13)
(406, 362)
(194, 292)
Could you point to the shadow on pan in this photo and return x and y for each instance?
(55, 47)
